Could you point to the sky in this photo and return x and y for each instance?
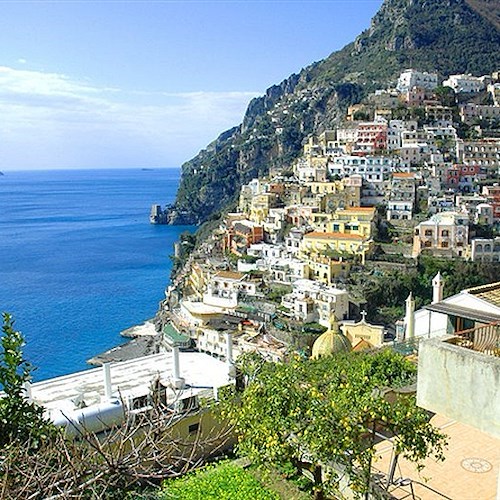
(123, 84)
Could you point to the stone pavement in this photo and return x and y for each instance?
(470, 471)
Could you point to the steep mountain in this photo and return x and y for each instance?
(446, 36)
(487, 8)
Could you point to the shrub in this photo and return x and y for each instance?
(224, 481)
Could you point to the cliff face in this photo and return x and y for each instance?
(447, 36)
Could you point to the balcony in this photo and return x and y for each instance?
(485, 339)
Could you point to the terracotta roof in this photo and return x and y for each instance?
(334, 236)
(490, 293)
(229, 275)
(361, 345)
(359, 209)
(404, 175)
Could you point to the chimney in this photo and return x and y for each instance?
(27, 391)
(177, 380)
(229, 355)
(437, 288)
(410, 318)
(108, 390)
(229, 348)
(175, 353)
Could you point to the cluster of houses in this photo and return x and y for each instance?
(400, 157)
(415, 157)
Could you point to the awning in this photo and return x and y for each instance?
(463, 312)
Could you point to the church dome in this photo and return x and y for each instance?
(331, 342)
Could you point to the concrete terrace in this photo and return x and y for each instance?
(470, 471)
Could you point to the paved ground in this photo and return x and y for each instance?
(470, 471)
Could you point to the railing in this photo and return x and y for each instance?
(485, 339)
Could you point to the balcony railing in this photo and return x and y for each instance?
(485, 339)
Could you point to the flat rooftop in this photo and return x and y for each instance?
(132, 378)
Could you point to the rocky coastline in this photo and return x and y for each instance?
(143, 340)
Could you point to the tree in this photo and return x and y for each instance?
(21, 421)
(324, 412)
(446, 96)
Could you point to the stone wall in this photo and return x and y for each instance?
(459, 383)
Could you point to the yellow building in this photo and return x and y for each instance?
(353, 220)
(198, 279)
(326, 269)
(363, 334)
(332, 195)
(317, 243)
(260, 205)
(320, 145)
(325, 187)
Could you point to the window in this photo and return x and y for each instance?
(445, 233)
(428, 232)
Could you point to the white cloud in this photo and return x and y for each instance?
(51, 120)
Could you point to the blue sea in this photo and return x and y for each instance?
(79, 260)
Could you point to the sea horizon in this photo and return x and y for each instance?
(77, 169)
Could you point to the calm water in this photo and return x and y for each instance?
(79, 261)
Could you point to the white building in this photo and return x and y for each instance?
(274, 223)
(282, 266)
(485, 249)
(411, 78)
(311, 169)
(402, 196)
(464, 83)
(225, 287)
(444, 234)
(373, 169)
(477, 206)
(442, 203)
(314, 301)
(98, 399)
(467, 309)
(445, 136)
(293, 240)
(394, 131)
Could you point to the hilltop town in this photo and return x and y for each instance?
(412, 171)
(331, 328)
(384, 233)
